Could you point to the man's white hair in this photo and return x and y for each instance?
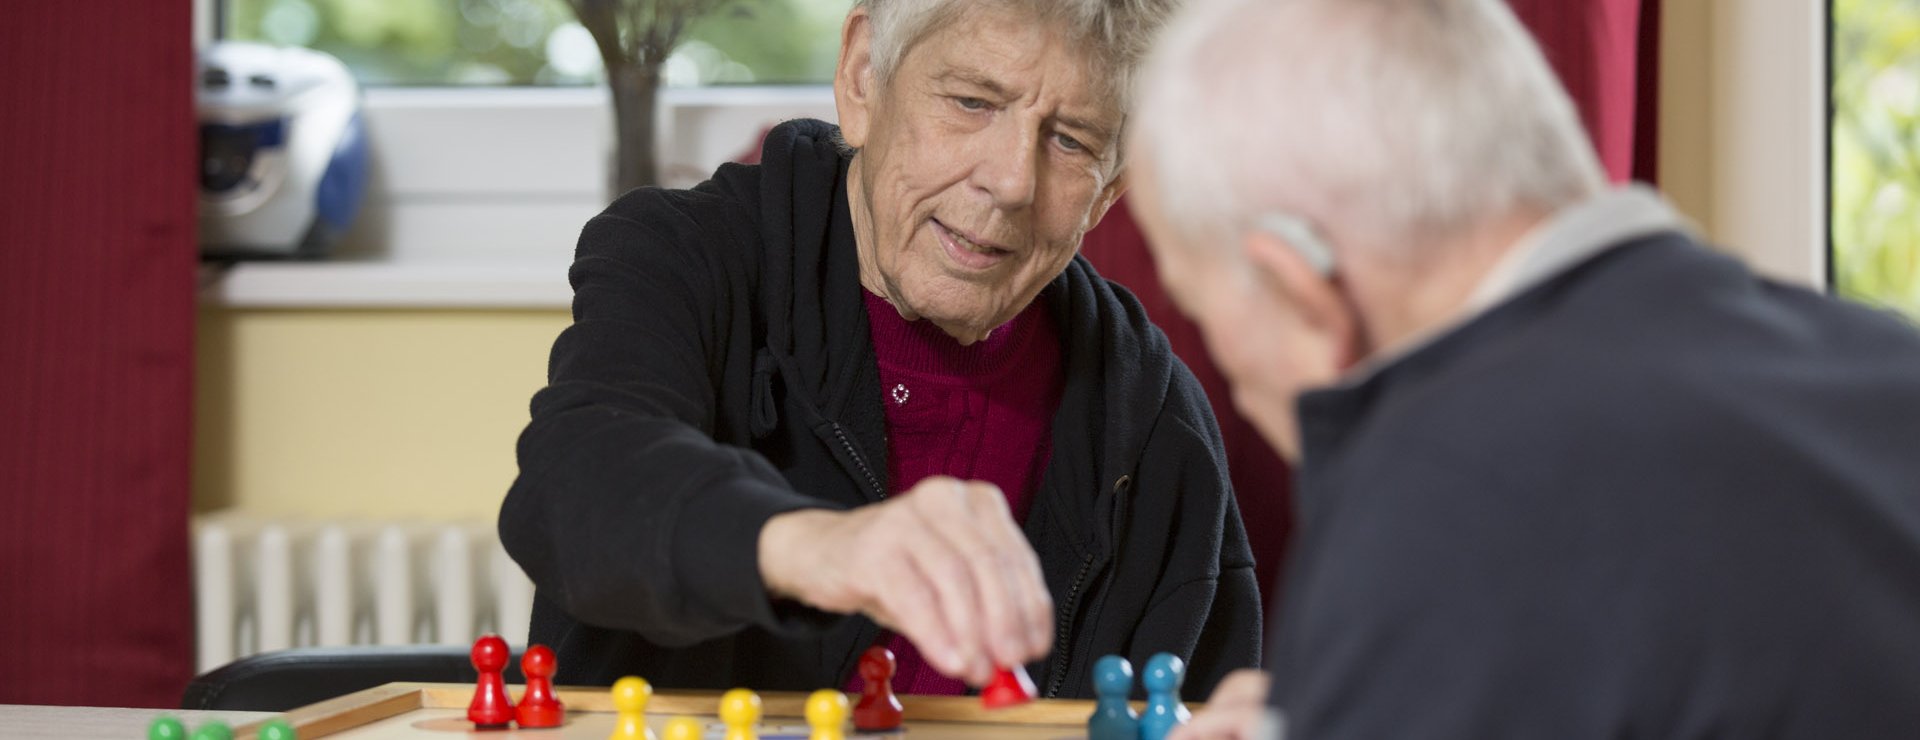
(1114, 34)
(1385, 123)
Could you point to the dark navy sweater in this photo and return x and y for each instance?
(1652, 497)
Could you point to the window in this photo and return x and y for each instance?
(1876, 152)
(539, 42)
(489, 130)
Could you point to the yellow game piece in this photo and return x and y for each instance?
(630, 697)
(683, 728)
(827, 712)
(739, 710)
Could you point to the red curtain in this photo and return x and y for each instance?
(97, 257)
(1606, 53)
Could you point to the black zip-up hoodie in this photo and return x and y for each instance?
(719, 372)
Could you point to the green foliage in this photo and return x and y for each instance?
(780, 41)
(1876, 152)
(513, 42)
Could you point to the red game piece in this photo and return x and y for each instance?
(1010, 687)
(491, 708)
(539, 707)
(879, 709)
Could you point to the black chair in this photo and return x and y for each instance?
(286, 679)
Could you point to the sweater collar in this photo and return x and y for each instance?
(922, 348)
(1564, 241)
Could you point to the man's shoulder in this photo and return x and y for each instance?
(1659, 313)
(1650, 352)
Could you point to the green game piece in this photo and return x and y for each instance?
(277, 729)
(166, 727)
(212, 730)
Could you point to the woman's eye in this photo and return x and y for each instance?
(971, 103)
(1069, 143)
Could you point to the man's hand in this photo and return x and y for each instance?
(1234, 712)
(943, 564)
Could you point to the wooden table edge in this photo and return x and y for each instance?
(381, 702)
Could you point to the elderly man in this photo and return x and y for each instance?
(869, 377)
(1564, 472)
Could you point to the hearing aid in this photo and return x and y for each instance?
(1300, 235)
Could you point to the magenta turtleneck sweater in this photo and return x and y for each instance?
(979, 412)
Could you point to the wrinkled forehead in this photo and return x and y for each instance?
(1014, 30)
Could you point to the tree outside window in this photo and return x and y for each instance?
(1876, 152)
(539, 42)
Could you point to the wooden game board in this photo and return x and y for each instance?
(422, 711)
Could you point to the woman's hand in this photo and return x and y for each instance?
(943, 564)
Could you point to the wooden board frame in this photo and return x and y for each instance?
(381, 702)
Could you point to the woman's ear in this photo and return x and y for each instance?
(853, 79)
(1108, 196)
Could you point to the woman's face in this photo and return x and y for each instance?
(983, 160)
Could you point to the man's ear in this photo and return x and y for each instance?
(1281, 267)
(853, 79)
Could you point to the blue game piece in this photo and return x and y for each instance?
(1113, 718)
(1165, 672)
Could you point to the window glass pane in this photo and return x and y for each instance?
(539, 42)
(1876, 152)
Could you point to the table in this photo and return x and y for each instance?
(33, 722)
(422, 711)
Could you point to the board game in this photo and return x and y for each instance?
(421, 711)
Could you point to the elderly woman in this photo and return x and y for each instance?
(864, 393)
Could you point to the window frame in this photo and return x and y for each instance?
(1744, 122)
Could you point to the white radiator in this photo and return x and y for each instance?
(270, 584)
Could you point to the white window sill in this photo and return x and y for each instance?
(475, 197)
(529, 284)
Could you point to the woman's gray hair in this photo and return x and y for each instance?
(1115, 34)
(1387, 123)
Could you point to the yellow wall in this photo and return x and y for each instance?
(364, 413)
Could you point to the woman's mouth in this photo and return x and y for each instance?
(966, 252)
